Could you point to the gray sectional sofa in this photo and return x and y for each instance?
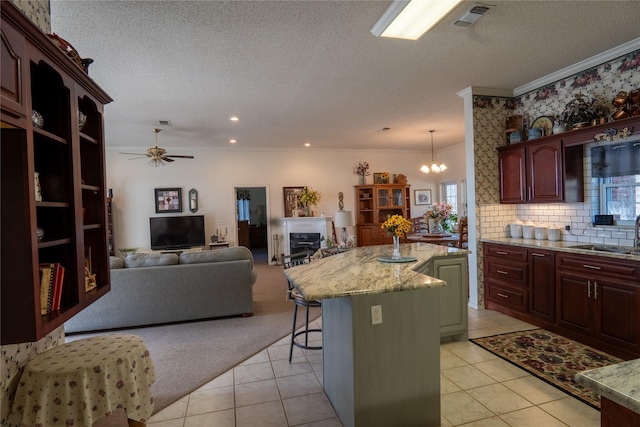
(149, 289)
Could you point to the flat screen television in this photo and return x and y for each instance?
(176, 232)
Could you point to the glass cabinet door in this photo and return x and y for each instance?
(396, 197)
(383, 197)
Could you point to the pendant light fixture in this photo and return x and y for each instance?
(435, 166)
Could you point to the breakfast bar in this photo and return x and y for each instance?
(381, 332)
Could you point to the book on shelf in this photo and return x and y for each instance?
(57, 288)
(45, 281)
(51, 281)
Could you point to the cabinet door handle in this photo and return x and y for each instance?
(588, 288)
(503, 296)
(502, 253)
(502, 272)
(592, 267)
(535, 254)
(595, 290)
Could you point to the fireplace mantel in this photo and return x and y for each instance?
(306, 224)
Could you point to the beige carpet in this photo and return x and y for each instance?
(189, 355)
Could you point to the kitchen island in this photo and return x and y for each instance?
(381, 332)
(619, 389)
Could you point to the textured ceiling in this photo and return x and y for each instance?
(311, 71)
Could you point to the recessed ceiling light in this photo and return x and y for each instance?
(234, 119)
(307, 144)
(232, 141)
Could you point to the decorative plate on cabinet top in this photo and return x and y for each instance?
(543, 122)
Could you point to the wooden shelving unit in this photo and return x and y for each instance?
(70, 163)
(376, 203)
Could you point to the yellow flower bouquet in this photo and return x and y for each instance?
(397, 226)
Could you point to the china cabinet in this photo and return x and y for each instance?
(69, 159)
(374, 205)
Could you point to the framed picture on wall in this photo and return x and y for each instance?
(168, 200)
(422, 197)
(381, 178)
(291, 197)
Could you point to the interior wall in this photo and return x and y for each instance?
(215, 174)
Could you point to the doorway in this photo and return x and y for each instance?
(252, 219)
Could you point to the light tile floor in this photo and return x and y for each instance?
(477, 389)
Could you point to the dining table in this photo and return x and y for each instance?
(445, 239)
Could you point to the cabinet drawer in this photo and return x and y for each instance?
(599, 266)
(507, 296)
(513, 253)
(513, 273)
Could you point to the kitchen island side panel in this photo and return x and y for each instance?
(386, 374)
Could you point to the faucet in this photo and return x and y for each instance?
(636, 238)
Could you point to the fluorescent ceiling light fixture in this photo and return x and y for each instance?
(234, 119)
(411, 19)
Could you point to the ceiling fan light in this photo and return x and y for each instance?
(156, 162)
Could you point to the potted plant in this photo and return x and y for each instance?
(309, 196)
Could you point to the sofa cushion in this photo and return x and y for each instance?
(116, 262)
(218, 255)
(150, 260)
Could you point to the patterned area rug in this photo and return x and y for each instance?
(551, 358)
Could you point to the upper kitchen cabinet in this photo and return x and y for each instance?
(543, 171)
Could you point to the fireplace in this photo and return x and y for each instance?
(304, 242)
(305, 234)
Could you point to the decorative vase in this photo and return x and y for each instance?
(435, 226)
(363, 179)
(396, 248)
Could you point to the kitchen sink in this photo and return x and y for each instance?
(609, 248)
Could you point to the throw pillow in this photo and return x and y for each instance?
(116, 262)
(217, 255)
(150, 260)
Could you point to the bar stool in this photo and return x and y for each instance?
(289, 261)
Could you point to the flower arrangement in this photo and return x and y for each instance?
(397, 226)
(309, 196)
(362, 169)
(439, 211)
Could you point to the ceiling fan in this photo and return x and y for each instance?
(157, 154)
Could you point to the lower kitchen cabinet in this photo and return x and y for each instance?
(453, 297)
(592, 299)
(600, 298)
(542, 295)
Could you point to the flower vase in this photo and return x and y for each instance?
(396, 248)
(435, 226)
(363, 179)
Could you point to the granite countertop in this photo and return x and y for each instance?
(562, 246)
(358, 272)
(619, 383)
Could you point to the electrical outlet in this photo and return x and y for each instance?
(567, 227)
(376, 314)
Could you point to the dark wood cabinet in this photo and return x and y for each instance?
(69, 160)
(376, 203)
(542, 295)
(506, 277)
(541, 172)
(600, 298)
(592, 299)
(513, 182)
